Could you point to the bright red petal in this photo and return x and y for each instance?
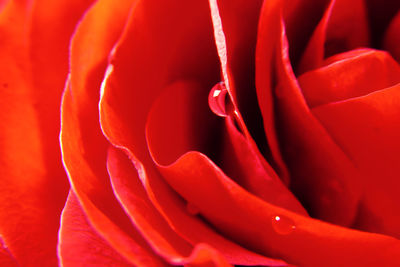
(352, 74)
(270, 229)
(81, 245)
(181, 115)
(34, 64)
(84, 148)
(367, 129)
(329, 192)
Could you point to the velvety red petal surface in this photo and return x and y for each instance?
(34, 64)
(84, 148)
(241, 36)
(314, 53)
(181, 116)
(269, 229)
(164, 240)
(81, 245)
(122, 109)
(329, 192)
(180, 215)
(366, 128)
(352, 74)
(343, 27)
(307, 146)
(130, 192)
(347, 27)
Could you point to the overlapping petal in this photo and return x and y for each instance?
(34, 64)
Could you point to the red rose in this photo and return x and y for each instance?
(201, 133)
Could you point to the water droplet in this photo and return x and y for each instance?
(217, 98)
(192, 209)
(283, 225)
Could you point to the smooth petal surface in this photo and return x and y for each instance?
(367, 128)
(33, 68)
(328, 193)
(80, 245)
(347, 27)
(352, 74)
(142, 67)
(181, 215)
(181, 116)
(83, 145)
(132, 196)
(291, 237)
(186, 227)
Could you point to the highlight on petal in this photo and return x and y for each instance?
(205, 256)
(6, 257)
(240, 38)
(83, 145)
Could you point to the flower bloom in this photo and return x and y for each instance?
(200, 133)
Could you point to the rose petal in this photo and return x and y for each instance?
(301, 25)
(272, 230)
(83, 146)
(142, 67)
(352, 75)
(315, 51)
(342, 28)
(392, 37)
(329, 192)
(180, 120)
(132, 196)
(205, 256)
(243, 165)
(81, 245)
(181, 116)
(241, 37)
(175, 211)
(33, 184)
(347, 27)
(367, 128)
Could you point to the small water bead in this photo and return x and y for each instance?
(283, 225)
(217, 99)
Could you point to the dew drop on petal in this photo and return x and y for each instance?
(283, 225)
(217, 98)
(192, 209)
